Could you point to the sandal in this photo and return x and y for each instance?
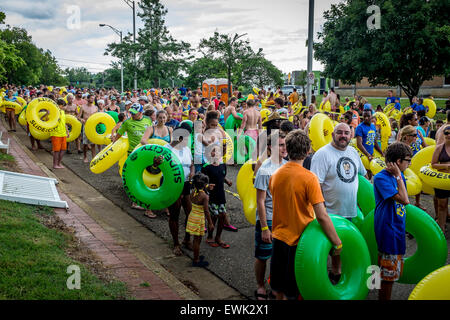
(260, 295)
(223, 245)
(136, 207)
(212, 244)
(230, 228)
(150, 215)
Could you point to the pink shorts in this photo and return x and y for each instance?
(252, 133)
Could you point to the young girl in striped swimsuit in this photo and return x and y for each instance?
(196, 221)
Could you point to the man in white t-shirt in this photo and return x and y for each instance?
(263, 229)
(337, 166)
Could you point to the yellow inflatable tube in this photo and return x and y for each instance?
(12, 105)
(389, 108)
(435, 286)
(326, 106)
(109, 156)
(75, 126)
(229, 148)
(320, 130)
(385, 127)
(413, 183)
(430, 142)
(421, 159)
(90, 128)
(431, 108)
(246, 191)
(39, 135)
(23, 118)
(435, 178)
(34, 118)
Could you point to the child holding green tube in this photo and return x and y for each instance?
(391, 197)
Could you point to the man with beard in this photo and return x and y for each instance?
(337, 166)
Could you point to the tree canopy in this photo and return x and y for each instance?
(243, 66)
(159, 55)
(22, 62)
(412, 45)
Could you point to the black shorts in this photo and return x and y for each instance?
(282, 274)
(442, 194)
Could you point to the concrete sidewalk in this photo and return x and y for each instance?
(101, 214)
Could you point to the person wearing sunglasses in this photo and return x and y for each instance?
(411, 119)
(441, 162)
(391, 197)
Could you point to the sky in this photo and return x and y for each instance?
(70, 29)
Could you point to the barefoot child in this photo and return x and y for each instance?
(196, 221)
(59, 136)
(216, 172)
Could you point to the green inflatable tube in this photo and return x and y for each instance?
(100, 128)
(311, 263)
(133, 183)
(114, 114)
(232, 123)
(365, 196)
(431, 251)
(358, 221)
(189, 122)
(243, 149)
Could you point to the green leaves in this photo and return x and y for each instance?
(412, 46)
(239, 62)
(21, 62)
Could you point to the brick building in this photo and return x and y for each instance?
(438, 87)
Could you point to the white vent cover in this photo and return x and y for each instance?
(4, 146)
(29, 189)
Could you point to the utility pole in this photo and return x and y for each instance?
(310, 47)
(132, 5)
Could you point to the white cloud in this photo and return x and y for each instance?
(279, 27)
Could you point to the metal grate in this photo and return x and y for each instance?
(30, 189)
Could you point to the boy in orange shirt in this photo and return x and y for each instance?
(59, 137)
(297, 201)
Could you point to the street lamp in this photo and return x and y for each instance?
(131, 4)
(121, 58)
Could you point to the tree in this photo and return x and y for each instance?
(159, 55)
(23, 62)
(232, 51)
(51, 72)
(204, 68)
(411, 47)
(77, 76)
(302, 79)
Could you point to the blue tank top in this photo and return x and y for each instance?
(166, 138)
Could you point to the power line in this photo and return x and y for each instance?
(106, 64)
(92, 68)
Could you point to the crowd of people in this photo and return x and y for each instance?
(294, 185)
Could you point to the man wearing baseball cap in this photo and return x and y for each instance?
(135, 128)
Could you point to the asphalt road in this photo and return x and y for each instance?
(233, 265)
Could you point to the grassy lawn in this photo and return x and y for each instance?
(6, 161)
(34, 261)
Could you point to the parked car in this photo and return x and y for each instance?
(288, 89)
